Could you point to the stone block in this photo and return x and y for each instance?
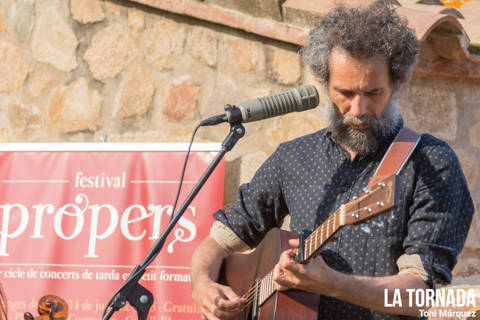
(202, 44)
(470, 167)
(87, 11)
(54, 42)
(74, 107)
(3, 26)
(24, 19)
(303, 12)
(473, 239)
(109, 52)
(293, 125)
(3, 135)
(13, 69)
(242, 53)
(112, 7)
(181, 100)
(43, 76)
(265, 8)
(474, 132)
(285, 66)
(241, 170)
(431, 110)
(136, 21)
(223, 92)
(24, 121)
(134, 94)
(466, 268)
(164, 44)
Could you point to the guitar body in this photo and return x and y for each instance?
(239, 271)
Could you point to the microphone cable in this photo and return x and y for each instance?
(182, 175)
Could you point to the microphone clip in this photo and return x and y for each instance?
(232, 114)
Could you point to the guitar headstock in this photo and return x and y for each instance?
(381, 197)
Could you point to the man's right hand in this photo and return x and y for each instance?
(217, 302)
(214, 300)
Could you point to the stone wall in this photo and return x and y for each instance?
(80, 70)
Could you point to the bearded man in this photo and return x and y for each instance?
(362, 57)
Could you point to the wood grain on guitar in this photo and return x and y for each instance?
(251, 275)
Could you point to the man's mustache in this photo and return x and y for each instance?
(358, 121)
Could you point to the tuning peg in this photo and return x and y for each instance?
(380, 204)
(368, 209)
(366, 189)
(382, 184)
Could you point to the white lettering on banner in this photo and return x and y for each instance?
(185, 231)
(100, 181)
(5, 224)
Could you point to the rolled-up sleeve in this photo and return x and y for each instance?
(440, 217)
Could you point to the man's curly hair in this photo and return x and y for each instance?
(376, 31)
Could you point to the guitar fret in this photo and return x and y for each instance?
(316, 239)
(310, 246)
(321, 238)
(267, 289)
(328, 227)
(267, 286)
(260, 296)
(334, 218)
(270, 276)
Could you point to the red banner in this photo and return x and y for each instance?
(74, 224)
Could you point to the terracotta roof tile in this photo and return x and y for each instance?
(450, 31)
(432, 8)
(424, 22)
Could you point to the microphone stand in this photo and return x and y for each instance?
(137, 295)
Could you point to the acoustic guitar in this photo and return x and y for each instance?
(251, 275)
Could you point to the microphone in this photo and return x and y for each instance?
(297, 99)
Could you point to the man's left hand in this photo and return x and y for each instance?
(314, 276)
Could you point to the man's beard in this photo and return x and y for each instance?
(364, 141)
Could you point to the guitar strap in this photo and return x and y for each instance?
(396, 155)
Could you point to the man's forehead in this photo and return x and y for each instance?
(348, 70)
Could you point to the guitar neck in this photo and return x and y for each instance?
(311, 245)
(324, 232)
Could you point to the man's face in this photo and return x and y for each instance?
(358, 87)
(361, 109)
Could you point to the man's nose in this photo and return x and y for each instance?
(358, 106)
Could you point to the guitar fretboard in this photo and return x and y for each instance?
(311, 245)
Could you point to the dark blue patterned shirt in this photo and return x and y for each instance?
(310, 177)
